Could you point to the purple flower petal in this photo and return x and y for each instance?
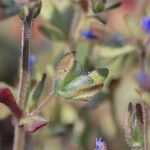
(146, 23)
(98, 143)
(87, 33)
(32, 60)
(143, 80)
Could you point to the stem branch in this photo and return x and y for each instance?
(45, 101)
(19, 135)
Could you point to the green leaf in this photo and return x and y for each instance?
(68, 14)
(75, 72)
(82, 51)
(109, 52)
(78, 82)
(82, 92)
(35, 94)
(99, 75)
(60, 20)
(132, 25)
(37, 8)
(58, 84)
(72, 84)
(112, 5)
(57, 19)
(65, 66)
(64, 69)
(8, 8)
(53, 33)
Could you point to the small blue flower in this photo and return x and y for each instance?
(98, 143)
(146, 23)
(32, 60)
(143, 80)
(87, 33)
(142, 76)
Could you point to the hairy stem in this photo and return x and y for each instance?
(145, 113)
(24, 58)
(19, 135)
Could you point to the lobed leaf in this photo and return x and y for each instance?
(78, 82)
(65, 66)
(83, 92)
(71, 83)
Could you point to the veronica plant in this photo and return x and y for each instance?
(70, 81)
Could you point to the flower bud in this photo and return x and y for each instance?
(98, 5)
(30, 11)
(134, 126)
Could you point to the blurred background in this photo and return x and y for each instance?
(76, 125)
